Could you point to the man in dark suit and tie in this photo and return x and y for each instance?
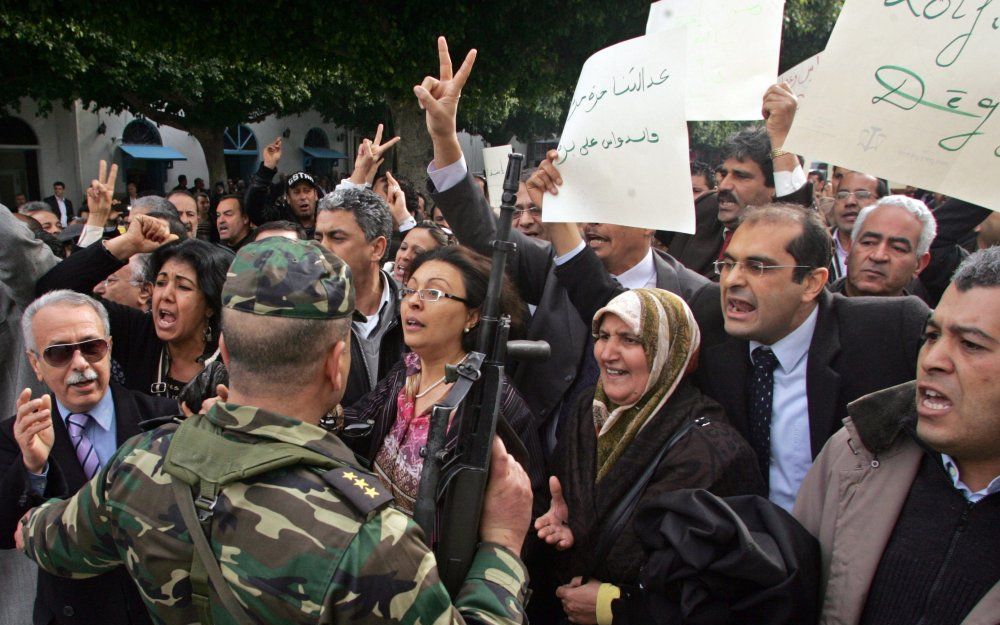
(793, 355)
(56, 443)
(60, 204)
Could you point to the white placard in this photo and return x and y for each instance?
(800, 78)
(907, 91)
(732, 53)
(623, 154)
(495, 163)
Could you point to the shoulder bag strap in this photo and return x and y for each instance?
(615, 522)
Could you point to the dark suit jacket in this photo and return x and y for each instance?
(54, 205)
(106, 599)
(861, 345)
(556, 320)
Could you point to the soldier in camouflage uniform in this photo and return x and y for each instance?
(296, 544)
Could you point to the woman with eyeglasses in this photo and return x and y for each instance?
(439, 310)
(161, 350)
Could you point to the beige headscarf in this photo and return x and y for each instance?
(670, 337)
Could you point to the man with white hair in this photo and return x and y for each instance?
(890, 245)
(57, 442)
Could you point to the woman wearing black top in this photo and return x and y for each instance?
(160, 351)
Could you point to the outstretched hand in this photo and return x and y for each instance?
(272, 154)
(396, 199)
(553, 526)
(145, 234)
(439, 96)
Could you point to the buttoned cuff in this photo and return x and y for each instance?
(408, 224)
(449, 175)
(605, 595)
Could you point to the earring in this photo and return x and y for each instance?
(467, 330)
(208, 334)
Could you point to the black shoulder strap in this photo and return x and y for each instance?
(614, 524)
(204, 563)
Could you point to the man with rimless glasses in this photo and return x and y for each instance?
(793, 354)
(55, 443)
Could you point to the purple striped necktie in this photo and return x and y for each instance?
(85, 452)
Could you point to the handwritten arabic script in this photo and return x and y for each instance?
(634, 81)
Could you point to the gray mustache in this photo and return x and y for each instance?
(76, 377)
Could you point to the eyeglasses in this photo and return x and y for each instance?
(93, 350)
(429, 295)
(534, 210)
(753, 267)
(861, 195)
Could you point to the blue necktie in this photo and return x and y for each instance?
(760, 389)
(85, 452)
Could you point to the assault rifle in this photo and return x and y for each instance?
(453, 480)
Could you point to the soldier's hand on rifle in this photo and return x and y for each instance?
(507, 504)
(272, 154)
(553, 526)
(439, 97)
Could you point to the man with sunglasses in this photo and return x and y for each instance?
(57, 442)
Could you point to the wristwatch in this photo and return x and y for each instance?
(776, 152)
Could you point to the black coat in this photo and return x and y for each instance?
(107, 599)
(54, 205)
(544, 384)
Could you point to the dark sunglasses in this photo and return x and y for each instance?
(93, 350)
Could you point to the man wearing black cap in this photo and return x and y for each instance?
(301, 194)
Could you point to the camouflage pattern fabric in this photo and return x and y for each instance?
(279, 277)
(293, 548)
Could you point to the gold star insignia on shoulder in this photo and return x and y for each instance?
(350, 475)
(371, 492)
(360, 489)
(361, 483)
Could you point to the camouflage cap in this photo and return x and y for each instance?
(281, 277)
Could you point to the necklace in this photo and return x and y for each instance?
(438, 383)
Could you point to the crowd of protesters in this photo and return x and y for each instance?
(789, 416)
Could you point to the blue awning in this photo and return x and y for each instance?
(240, 152)
(153, 152)
(323, 153)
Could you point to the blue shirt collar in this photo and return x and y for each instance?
(103, 413)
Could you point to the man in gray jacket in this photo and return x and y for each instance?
(904, 500)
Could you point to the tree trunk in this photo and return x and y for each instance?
(211, 143)
(415, 149)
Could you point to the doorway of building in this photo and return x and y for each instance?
(18, 161)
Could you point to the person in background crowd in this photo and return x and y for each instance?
(890, 246)
(199, 186)
(162, 351)
(233, 223)
(60, 204)
(527, 216)
(182, 183)
(854, 192)
(702, 179)
(20, 200)
(42, 213)
(285, 229)
(817, 180)
(904, 499)
(352, 556)
(438, 217)
(301, 194)
(422, 238)
(440, 309)
(187, 209)
(355, 225)
(988, 231)
(128, 286)
(58, 441)
(147, 204)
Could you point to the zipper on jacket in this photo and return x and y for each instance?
(952, 545)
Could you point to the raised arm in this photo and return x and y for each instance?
(257, 201)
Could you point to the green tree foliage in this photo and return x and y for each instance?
(201, 67)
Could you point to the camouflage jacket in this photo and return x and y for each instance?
(293, 548)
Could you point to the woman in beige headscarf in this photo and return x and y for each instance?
(645, 343)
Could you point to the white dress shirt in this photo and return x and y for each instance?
(791, 448)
